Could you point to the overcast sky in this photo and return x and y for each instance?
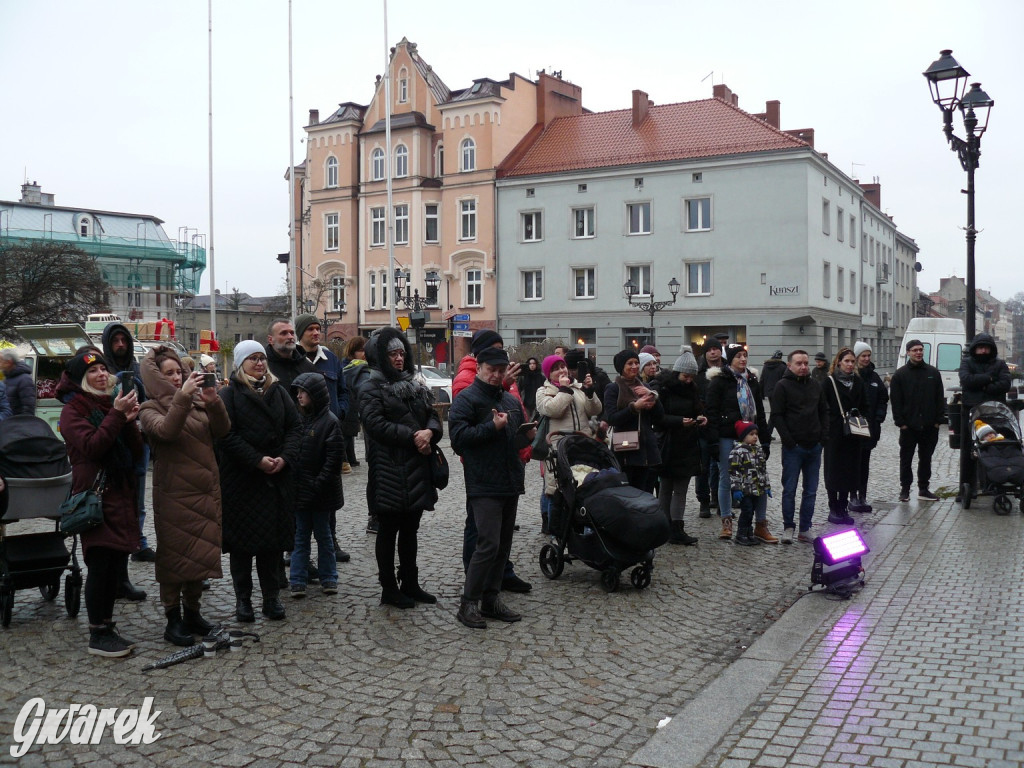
(105, 103)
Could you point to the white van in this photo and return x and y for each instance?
(944, 343)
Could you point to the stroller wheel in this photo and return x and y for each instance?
(73, 593)
(1002, 504)
(6, 608)
(640, 576)
(551, 561)
(50, 591)
(966, 493)
(610, 579)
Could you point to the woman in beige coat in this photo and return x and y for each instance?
(568, 404)
(182, 421)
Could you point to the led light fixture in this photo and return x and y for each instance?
(837, 565)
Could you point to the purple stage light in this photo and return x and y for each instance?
(837, 565)
(844, 545)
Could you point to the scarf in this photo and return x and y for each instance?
(744, 397)
(846, 379)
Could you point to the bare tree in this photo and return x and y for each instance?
(47, 282)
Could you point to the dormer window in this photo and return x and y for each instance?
(85, 226)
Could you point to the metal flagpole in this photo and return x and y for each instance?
(291, 172)
(209, 250)
(389, 213)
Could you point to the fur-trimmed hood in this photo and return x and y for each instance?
(713, 371)
(376, 353)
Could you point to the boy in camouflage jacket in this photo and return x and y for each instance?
(748, 479)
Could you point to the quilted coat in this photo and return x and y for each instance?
(186, 482)
(680, 446)
(393, 406)
(98, 436)
(258, 513)
(321, 449)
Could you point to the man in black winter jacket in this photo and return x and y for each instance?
(484, 424)
(983, 374)
(800, 415)
(284, 357)
(918, 402)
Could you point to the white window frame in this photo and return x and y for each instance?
(467, 155)
(331, 172)
(377, 166)
(532, 284)
(401, 161)
(378, 227)
(587, 216)
(704, 278)
(439, 161)
(474, 285)
(640, 205)
(337, 293)
(332, 231)
(402, 224)
(589, 275)
(427, 218)
(372, 291)
(403, 87)
(702, 207)
(85, 227)
(384, 289)
(467, 219)
(531, 226)
(640, 274)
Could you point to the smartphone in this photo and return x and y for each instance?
(127, 383)
(524, 428)
(209, 380)
(582, 370)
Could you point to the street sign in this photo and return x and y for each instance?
(403, 323)
(462, 318)
(448, 314)
(460, 326)
(464, 334)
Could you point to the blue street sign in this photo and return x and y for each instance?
(462, 319)
(460, 326)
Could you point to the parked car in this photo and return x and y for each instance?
(438, 382)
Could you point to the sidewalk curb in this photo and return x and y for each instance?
(705, 720)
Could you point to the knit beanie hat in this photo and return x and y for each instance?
(650, 349)
(744, 428)
(645, 358)
(205, 360)
(484, 338)
(731, 351)
(623, 357)
(549, 363)
(244, 349)
(302, 322)
(820, 356)
(395, 344)
(859, 347)
(82, 362)
(777, 354)
(574, 357)
(685, 363)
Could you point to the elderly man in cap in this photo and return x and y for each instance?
(819, 372)
(485, 338)
(484, 423)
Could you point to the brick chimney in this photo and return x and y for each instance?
(873, 193)
(641, 103)
(771, 112)
(314, 117)
(723, 92)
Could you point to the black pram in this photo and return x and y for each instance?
(998, 449)
(34, 466)
(598, 517)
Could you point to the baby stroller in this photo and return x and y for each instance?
(597, 517)
(997, 447)
(34, 466)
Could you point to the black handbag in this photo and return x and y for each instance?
(83, 511)
(540, 447)
(438, 468)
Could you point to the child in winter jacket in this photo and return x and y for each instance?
(748, 479)
(318, 492)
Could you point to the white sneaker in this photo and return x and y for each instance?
(787, 535)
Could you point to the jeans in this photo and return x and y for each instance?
(495, 521)
(317, 524)
(708, 479)
(923, 441)
(140, 470)
(799, 461)
(725, 445)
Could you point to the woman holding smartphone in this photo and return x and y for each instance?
(182, 418)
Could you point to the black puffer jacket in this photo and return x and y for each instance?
(490, 458)
(257, 507)
(983, 377)
(876, 401)
(321, 449)
(393, 406)
(287, 368)
(723, 407)
(356, 372)
(21, 391)
(680, 448)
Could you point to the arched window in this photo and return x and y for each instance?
(378, 164)
(85, 226)
(403, 86)
(332, 172)
(468, 155)
(401, 161)
(439, 169)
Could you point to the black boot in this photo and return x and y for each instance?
(469, 614)
(340, 555)
(125, 589)
(243, 610)
(394, 596)
(241, 581)
(176, 631)
(408, 578)
(680, 536)
(196, 624)
(273, 609)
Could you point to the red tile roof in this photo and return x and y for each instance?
(693, 129)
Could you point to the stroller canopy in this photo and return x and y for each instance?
(28, 448)
(999, 416)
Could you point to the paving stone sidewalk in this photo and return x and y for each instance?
(583, 680)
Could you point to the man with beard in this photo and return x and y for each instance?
(284, 357)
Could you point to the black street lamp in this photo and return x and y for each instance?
(417, 305)
(947, 81)
(651, 307)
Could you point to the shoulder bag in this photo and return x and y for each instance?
(625, 440)
(854, 425)
(540, 447)
(438, 468)
(83, 511)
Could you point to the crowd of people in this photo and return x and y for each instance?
(251, 466)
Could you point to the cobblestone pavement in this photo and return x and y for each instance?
(583, 680)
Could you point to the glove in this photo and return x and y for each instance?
(769, 493)
(767, 450)
(737, 496)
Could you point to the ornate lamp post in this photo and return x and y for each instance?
(651, 307)
(947, 81)
(417, 305)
